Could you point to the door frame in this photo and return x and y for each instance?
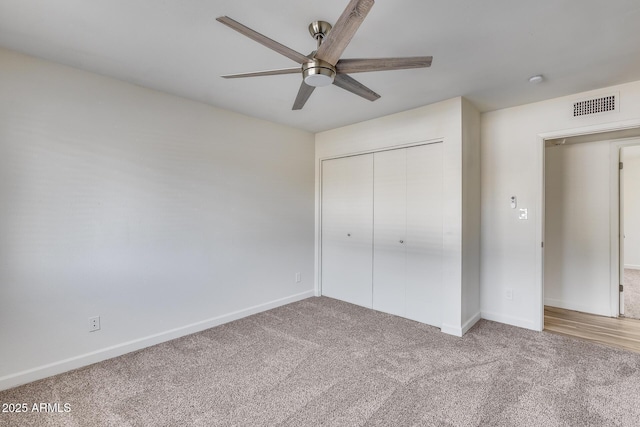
(618, 133)
(617, 217)
(635, 142)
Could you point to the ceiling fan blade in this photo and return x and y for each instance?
(303, 94)
(347, 83)
(346, 26)
(263, 73)
(382, 64)
(264, 40)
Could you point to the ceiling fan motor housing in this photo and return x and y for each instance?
(318, 73)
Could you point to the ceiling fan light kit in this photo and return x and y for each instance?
(318, 73)
(324, 66)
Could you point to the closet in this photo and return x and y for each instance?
(382, 231)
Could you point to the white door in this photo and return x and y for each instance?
(424, 234)
(347, 229)
(407, 257)
(389, 235)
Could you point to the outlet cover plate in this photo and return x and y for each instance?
(94, 324)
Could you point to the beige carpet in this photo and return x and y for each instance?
(632, 293)
(325, 362)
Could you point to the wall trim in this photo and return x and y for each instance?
(456, 331)
(592, 129)
(511, 320)
(632, 267)
(469, 323)
(386, 148)
(44, 371)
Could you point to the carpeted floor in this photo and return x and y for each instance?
(632, 293)
(326, 362)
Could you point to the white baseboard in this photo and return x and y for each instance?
(469, 323)
(86, 359)
(459, 331)
(456, 331)
(576, 307)
(632, 266)
(510, 320)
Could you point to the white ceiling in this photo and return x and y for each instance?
(483, 50)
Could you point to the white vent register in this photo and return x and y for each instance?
(595, 105)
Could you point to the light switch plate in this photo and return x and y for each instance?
(524, 214)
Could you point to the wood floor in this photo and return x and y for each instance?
(617, 332)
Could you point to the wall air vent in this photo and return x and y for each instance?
(595, 105)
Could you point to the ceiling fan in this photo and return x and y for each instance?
(323, 66)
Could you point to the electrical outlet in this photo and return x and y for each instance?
(298, 278)
(94, 324)
(508, 293)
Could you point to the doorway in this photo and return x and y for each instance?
(617, 137)
(579, 156)
(630, 231)
(382, 230)
(578, 191)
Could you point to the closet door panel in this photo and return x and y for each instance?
(347, 229)
(389, 220)
(424, 233)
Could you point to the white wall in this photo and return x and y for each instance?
(577, 259)
(632, 207)
(161, 215)
(437, 122)
(511, 164)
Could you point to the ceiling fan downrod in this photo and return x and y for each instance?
(319, 30)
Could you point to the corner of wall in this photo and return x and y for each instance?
(470, 122)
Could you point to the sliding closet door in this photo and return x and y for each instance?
(389, 257)
(424, 234)
(407, 232)
(347, 229)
